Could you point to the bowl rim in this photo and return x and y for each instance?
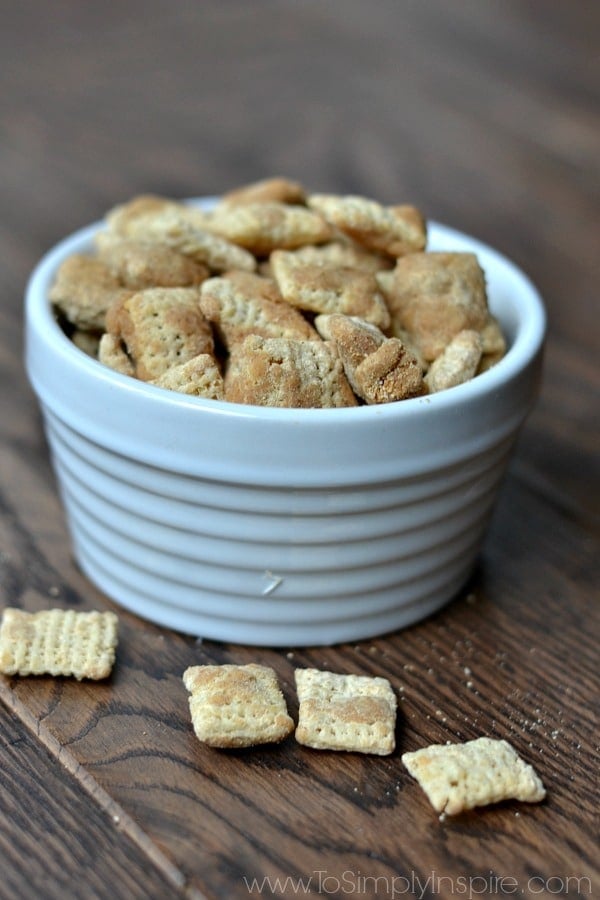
(527, 343)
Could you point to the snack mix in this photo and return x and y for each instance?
(279, 297)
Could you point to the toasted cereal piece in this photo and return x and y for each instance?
(236, 706)
(160, 328)
(267, 190)
(138, 265)
(343, 253)
(286, 373)
(493, 340)
(488, 361)
(183, 229)
(83, 290)
(112, 353)
(119, 218)
(457, 777)
(436, 295)
(87, 341)
(199, 377)
(345, 712)
(324, 290)
(241, 303)
(457, 364)
(393, 230)
(58, 642)
(263, 227)
(379, 369)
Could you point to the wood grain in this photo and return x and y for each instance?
(486, 116)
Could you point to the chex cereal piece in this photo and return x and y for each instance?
(267, 190)
(436, 295)
(458, 362)
(160, 328)
(138, 265)
(236, 706)
(324, 290)
(345, 712)
(181, 228)
(394, 230)
(84, 289)
(379, 369)
(287, 373)
(242, 303)
(58, 642)
(341, 253)
(199, 377)
(457, 777)
(493, 344)
(263, 227)
(118, 218)
(112, 353)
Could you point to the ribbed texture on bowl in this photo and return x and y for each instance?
(280, 527)
(269, 569)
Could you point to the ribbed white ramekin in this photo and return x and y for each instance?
(280, 526)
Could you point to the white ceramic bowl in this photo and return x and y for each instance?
(280, 527)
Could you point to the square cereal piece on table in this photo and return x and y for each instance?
(58, 642)
(457, 777)
(236, 705)
(345, 712)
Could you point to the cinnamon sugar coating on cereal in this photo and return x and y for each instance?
(329, 290)
(436, 295)
(287, 373)
(242, 303)
(341, 254)
(198, 377)
(160, 328)
(138, 264)
(379, 369)
(263, 227)
(182, 228)
(457, 363)
(267, 190)
(112, 353)
(392, 230)
(84, 289)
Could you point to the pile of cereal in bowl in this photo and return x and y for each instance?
(278, 297)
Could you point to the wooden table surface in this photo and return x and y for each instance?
(484, 114)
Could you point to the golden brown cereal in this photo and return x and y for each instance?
(458, 362)
(138, 265)
(183, 228)
(436, 295)
(345, 712)
(341, 254)
(160, 328)
(286, 373)
(268, 190)
(199, 377)
(394, 230)
(241, 303)
(119, 218)
(112, 353)
(236, 706)
(457, 777)
(263, 227)
(324, 290)
(84, 289)
(379, 369)
(58, 642)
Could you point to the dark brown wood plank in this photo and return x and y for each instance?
(54, 842)
(485, 114)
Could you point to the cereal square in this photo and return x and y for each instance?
(345, 712)
(236, 705)
(58, 642)
(457, 777)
